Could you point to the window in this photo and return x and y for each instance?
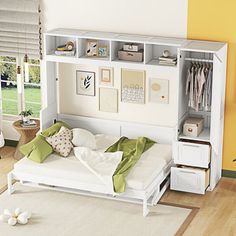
(12, 101)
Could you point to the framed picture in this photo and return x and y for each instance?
(106, 76)
(85, 83)
(133, 86)
(92, 48)
(102, 51)
(159, 90)
(108, 100)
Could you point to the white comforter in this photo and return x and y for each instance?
(102, 164)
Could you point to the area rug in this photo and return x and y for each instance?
(65, 214)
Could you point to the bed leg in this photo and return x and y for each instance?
(145, 208)
(9, 183)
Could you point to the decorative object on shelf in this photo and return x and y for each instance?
(166, 53)
(131, 47)
(85, 83)
(167, 59)
(102, 51)
(92, 48)
(18, 216)
(69, 46)
(130, 56)
(159, 90)
(193, 126)
(133, 86)
(106, 76)
(25, 115)
(67, 49)
(108, 100)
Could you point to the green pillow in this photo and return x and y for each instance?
(54, 129)
(37, 150)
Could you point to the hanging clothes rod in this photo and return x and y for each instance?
(198, 59)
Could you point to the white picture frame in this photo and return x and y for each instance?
(85, 83)
(106, 76)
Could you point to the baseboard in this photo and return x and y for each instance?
(229, 173)
(12, 143)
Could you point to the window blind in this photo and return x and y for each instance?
(20, 28)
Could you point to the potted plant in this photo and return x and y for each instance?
(25, 115)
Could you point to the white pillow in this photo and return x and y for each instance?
(83, 138)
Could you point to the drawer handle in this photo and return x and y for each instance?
(129, 54)
(190, 130)
(188, 145)
(188, 172)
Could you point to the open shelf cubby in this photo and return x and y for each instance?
(83, 48)
(52, 42)
(154, 51)
(117, 46)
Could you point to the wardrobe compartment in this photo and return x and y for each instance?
(198, 60)
(53, 41)
(154, 51)
(192, 154)
(101, 49)
(191, 180)
(119, 54)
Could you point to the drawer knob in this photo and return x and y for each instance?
(190, 130)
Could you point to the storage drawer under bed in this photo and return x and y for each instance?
(188, 179)
(192, 154)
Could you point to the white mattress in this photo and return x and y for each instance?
(151, 163)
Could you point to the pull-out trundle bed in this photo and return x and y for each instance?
(145, 184)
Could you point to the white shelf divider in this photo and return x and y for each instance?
(204, 136)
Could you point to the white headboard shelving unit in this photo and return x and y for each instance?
(153, 47)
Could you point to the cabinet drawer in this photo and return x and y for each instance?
(192, 154)
(191, 180)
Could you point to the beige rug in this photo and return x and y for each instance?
(64, 214)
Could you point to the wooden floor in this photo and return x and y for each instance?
(217, 214)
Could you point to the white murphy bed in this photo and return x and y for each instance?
(197, 161)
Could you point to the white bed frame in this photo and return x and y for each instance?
(149, 196)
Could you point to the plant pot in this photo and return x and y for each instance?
(26, 119)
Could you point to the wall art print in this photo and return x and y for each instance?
(133, 86)
(85, 83)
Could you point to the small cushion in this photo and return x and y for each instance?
(54, 129)
(61, 142)
(37, 150)
(83, 138)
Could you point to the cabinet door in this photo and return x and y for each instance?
(218, 94)
(49, 99)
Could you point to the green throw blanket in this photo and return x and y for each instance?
(132, 150)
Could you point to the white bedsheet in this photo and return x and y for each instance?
(151, 163)
(101, 164)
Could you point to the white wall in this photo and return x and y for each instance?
(148, 113)
(152, 17)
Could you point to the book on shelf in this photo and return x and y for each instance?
(168, 58)
(65, 53)
(171, 63)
